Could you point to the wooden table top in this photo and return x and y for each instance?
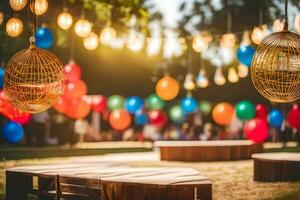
(282, 156)
(203, 143)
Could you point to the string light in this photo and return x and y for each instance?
(201, 42)
(17, 5)
(219, 78)
(153, 46)
(259, 33)
(65, 20)
(189, 83)
(243, 71)
(228, 40)
(277, 25)
(135, 41)
(40, 7)
(108, 35)
(91, 42)
(83, 27)
(232, 75)
(297, 23)
(202, 80)
(14, 27)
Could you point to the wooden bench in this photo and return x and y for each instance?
(117, 182)
(272, 167)
(194, 151)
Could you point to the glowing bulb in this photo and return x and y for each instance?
(243, 71)
(277, 25)
(259, 33)
(201, 42)
(135, 41)
(183, 43)
(246, 39)
(153, 46)
(232, 75)
(297, 23)
(1, 18)
(202, 80)
(228, 40)
(17, 5)
(14, 27)
(189, 83)
(219, 78)
(83, 27)
(108, 35)
(65, 20)
(40, 7)
(91, 42)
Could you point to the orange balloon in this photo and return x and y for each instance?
(167, 88)
(223, 113)
(77, 108)
(120, 119)
(75, 89)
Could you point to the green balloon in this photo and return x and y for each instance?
(245, 110)
(115, 102)
(153, 102)
(176, 114)
(205, 107)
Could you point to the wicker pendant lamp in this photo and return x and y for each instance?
(275, 69)
(34, 79)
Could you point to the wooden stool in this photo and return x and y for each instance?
(271, 167)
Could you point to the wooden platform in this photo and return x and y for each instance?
(195, 151)
(272, 167)
(118, 182)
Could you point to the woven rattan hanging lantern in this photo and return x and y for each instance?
(275, 67)
(34, 79)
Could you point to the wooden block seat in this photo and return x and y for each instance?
(272, 167)
(117, 182)
(195, 151)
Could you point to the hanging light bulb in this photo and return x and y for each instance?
(65, 20)
(14, 27)
(228, 40)
(201, 42)
(246, 39)
(183, 43)
(297, 23)
(202, 80)
(243, 71)
(40, 7)
(1, 18)
(17, 5)
(91, 42)
(153, 46)
(277, 25)
(219, 78)
(232, 75)
(189, 83)
(259, 33)
(135, 41)
(83, 27)
(108, 35)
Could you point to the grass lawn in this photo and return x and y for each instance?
(231, 180)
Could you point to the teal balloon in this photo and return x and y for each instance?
(205, 107)
(12, 132)
(140, 118)
(275, 118)
(245, 110)
(189, 104)
(245, 55)
(43, 38)
(177, 115)
(153, 102)
(133, 104)
(115, 102)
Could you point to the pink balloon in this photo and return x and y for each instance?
(157, 118)
(75, 89)
(73, 71)
(256, 130)
(294, 117)
(261, 112)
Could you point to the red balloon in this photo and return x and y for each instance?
(22, 119)
(75, 89)
(60, 105)
(99, 103)
(157, 118)
(261, 112)
(77, 108)
(294, 117)
(256, 130)
(119, 120)
(73, 71)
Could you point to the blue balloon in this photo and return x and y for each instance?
(12, 132)
(189, 105)
(141, 118)
(245, 55)
(275, 118)
(43, 38)
(1, 77)
(133, 104)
